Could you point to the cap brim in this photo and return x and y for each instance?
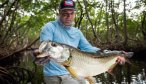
(68, 9)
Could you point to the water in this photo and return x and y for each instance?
(134, 73)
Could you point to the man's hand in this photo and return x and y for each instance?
(121, 60)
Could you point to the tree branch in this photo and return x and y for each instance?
(20, 50)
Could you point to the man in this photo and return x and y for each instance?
(62, 31)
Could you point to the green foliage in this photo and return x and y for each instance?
(21, 21)
(27, 17)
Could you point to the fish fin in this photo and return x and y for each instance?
(72, 72)
(110, 70)
(128, 61)
(90, 80)
(66, 63)
(111, 73)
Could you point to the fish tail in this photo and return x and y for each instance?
(128, 61)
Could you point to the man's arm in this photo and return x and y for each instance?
(84, 45)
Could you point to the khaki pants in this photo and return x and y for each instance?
(65, 79)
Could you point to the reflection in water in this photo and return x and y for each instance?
(127, 74)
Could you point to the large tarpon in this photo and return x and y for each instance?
(80, 63)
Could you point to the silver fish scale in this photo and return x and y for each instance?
(85, 65)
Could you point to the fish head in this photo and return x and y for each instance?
(116, 52)
(54, 50)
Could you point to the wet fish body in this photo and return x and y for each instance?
(84, 64)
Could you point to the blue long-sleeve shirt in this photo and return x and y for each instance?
(57, 32)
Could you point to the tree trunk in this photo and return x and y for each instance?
(107, 21)
(88, 16)
(125, 23)
(79, 19)
(117, 36)
(143, 25)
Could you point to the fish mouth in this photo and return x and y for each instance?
(42, 55)
(42, 60)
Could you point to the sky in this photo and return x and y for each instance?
(130, 4)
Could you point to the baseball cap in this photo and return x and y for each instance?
(67, 4)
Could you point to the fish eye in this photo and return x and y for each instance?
(53, 44)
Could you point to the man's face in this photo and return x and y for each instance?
(67, 16)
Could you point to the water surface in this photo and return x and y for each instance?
(134, 73)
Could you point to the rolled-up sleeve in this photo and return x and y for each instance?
(84, 45)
